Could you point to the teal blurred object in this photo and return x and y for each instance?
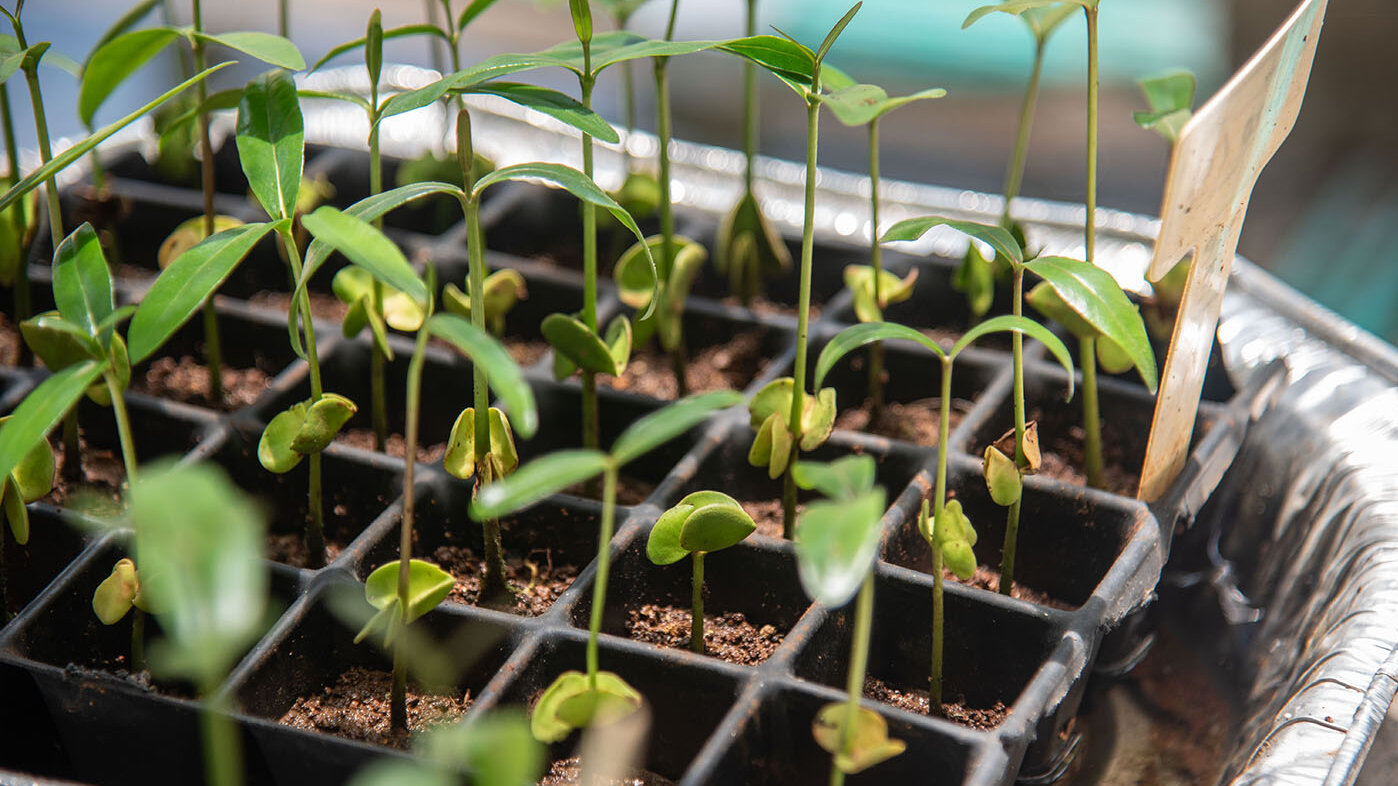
(922, 41)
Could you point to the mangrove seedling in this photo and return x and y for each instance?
(1171, 99)
(946, 529)
(29, 481)
(835, 551)
(702, 522)
(873, 288)
(122, 54)
(786, 420)
(975, 278)
(749, 250)
(576, 699)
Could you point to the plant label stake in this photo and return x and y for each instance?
(1215, 165)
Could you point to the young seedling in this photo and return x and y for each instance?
(873, 288)
(749, 249)
(1171, 99)
(122, 53)
(786, 420)
(947, 530)
(702, 522)
(30, 480)
(576, 699)
(835, 551)
(975, 278)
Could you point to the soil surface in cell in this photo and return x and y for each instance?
(917, 701)
(117, 670)
(915, 421)
(1064, 455)
(768, 515)
(290, 549)
(187, 381)
(356, 707)
(988, 578)
(727, 636)
(535, 576)
(324, 306)
(729, 366)
(629, 490)
(566, 772)
(100, 489)
(397, 446)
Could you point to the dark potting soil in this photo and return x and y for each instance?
(290, 549)
(357, 707)
(915, 421)
(114, 670)
(1064, 457)
(727, 636)
(324, 306)
(768, 515)
(567, 772)
(397, 446)
(988, 578)
(917, 701)
(10, 341)
(629, 490)
(187, 380)
(103, 475)
(729, 366)
(537, 579)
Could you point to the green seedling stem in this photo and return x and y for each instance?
(494, 583)
(213, 351)
(21, 287)
(803, 307)
(1091, 417)
(378, 393)
(398, 696)
(1007, 553)
(284, 18)
(750, 105)
(41, 130)
(604, 564)
(667, 209)
(315, 526)
(589, 379)
(938, 616)
(876, 260)
(696, 599)
(858, 668)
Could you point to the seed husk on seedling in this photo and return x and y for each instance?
(702, 522)
(785, 419)
(835, 550)
(577, 699)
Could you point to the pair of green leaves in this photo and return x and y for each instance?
(119, 593)
(837, 538)
(576, 701)
(950, 532)
(354, 286)
(869, 307)
(29, 481)
(469, 13)
(305, 428)
(795, 64)
(501, 458)
(428, 585)
(701, 522)
(556, 471)
(869, 743)
(575, 346)
(686, 259)
(769, 413)
(503, 289)
(1042, 16)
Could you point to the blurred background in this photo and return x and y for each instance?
(1321, 217)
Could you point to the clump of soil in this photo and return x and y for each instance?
(113, 669)
(397, 445)
(539, 582)
(988, 578)
(630, 490)
(728, 366)
(356, 707)
(768, 515)
(324, 306)
(290, 549)
(915, 421)
(917, 701)
(103, 474)
(567, 772)
(727, 636)
(187, 380)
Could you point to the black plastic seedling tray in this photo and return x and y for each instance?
(1097, 554)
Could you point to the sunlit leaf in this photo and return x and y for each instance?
(1096, 297)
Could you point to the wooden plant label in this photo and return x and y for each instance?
(1213, 169)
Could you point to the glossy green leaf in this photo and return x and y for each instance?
(835, 32)
(869, 743)
(367, 247)
(663, 546)
(860, 104)
(68, 156)
(182, 288)
(571, 702)
(489, 355)
(835, 546)
(324, 419)
(716, 526)
(556, 105)
(82, 282)
(57, 342)
(274, 448)
(273, 50)
(570, 337)
(1008, 323)
(856, 336)
(997, 237)
(1094, 295)
(618, 50)
(112, 62)
(199, 544)
(271, 142)
(582, 19)
(117, 593)
(13, 509)
(537, 479)
(41, 410)
(669, 422)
